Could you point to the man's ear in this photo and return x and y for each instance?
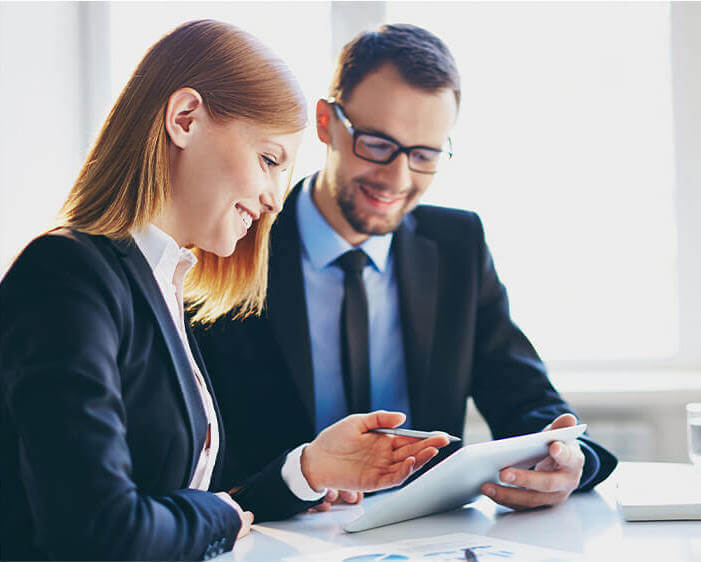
(324, 113)
(184, 108)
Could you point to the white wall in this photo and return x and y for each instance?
(42, 120)
(53, 54)
(686, 80)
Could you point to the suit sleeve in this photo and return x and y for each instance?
(61, 387)
(268, 496)
(510, 385)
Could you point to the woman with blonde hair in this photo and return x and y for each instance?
(111, 438)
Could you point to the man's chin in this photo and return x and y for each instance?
(374, 226)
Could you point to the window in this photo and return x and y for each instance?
(564, 146)
(300, 32)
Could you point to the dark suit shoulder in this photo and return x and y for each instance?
(443, 224)
(64, 265)
(67, 252)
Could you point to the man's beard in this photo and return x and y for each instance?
(371, 224)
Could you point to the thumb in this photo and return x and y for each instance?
(382, 418)
(565, 420)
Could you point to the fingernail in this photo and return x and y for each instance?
(509, 477)
(490, 490)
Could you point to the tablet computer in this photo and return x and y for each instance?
(457, 479)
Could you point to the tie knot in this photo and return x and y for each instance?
(353, 261)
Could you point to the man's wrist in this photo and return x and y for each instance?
(306, 465)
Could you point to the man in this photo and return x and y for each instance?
(417, 320)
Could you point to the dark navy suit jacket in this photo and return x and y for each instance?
(101, 420)
(459, 341)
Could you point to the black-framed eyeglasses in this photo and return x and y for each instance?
(383, 149)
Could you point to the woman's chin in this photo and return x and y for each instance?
(222, 248)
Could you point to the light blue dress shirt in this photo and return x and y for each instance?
(321, 245)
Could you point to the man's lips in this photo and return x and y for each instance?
(380, 198)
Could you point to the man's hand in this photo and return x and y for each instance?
(336, 497)
(346, 456)
(552, 481)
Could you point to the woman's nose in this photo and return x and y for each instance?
(271, 201)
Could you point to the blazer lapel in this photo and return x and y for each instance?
(287, 307)
(417, 277)
(139, 269)
(216, 473)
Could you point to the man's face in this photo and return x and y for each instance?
(373, 198)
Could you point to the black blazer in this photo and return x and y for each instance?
(102, 422)
(459, 340)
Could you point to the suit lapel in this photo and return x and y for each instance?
(417, 277)
(287, 307)
(205, 375)
(140, 271)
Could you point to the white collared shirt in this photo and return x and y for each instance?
(169, 264)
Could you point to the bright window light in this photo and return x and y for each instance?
(300, 32)
(564, 146)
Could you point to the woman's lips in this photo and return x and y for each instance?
(246, 217)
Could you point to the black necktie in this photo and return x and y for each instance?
(354, 333)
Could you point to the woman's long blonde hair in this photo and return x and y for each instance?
(124, 182)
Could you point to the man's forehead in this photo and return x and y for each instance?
(384, 102)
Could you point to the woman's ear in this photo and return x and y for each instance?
(184, 109)
(323, 118)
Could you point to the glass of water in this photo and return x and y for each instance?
(693, 428)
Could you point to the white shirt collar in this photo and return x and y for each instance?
(323, 245)
(163, 254)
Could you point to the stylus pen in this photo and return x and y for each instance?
(415, 433)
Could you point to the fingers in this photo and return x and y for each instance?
(381, 418)
(424, 456)
(246, 522)
(400, 473)
(554, 479)
(246, 517)
(520, 498)
(338, 497)
(323, 506)
(564, 420)
(413, 449)
(548, 482)
(567, 454)
(350, 497)
(547, 464)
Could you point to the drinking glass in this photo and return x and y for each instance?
(693, 428)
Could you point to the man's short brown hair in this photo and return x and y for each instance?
(421, 58)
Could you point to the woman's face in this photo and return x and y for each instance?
(223, 178)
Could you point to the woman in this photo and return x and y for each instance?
(111, 438)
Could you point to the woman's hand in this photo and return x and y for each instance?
(345, 456)
(245, 516)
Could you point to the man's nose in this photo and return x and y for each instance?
(397, 173)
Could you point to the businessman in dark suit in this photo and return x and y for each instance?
(375, 302)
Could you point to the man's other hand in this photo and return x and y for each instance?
(337, 497)
(552, 481)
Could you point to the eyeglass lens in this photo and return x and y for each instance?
(380, 150)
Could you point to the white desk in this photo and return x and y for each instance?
(588, 524)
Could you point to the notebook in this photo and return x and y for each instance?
(652, 491)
